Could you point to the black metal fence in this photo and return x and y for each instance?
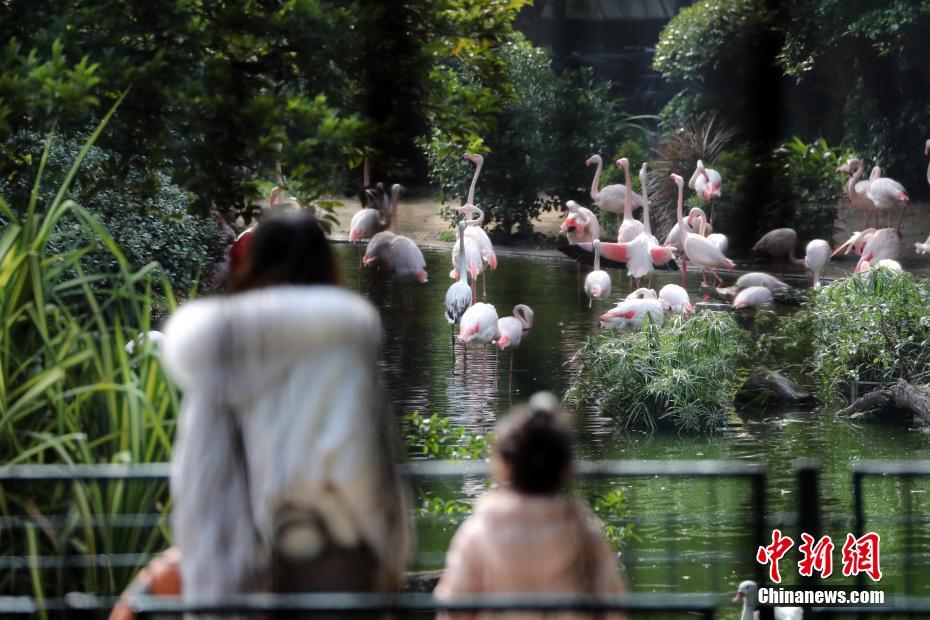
(49, 556)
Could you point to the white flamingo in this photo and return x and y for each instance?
(459, 295)
(816, 256)
(718, 239)
(747, 594)
(887, 194)
(611, 197)
(857, 189)
(706, 182)
(700, 251)
(757, 278)
(478, 160)
(673, 238)
(641, 293)
(752, 297)
(675, 299)
(649, 253)
(368, 222)
(632, 313)
(597, 284)
(478, 327)
(512, 328)
(923, 248)
(630, 228)
(884, 243)
(398, 254)
(485, 247)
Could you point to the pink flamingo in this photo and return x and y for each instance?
(478, 327)
(632, 313)
(700, 251)
(485, 247)
(887, 194)
(752, 297)
(512, 328)
(706, 182)
(858, 190)
(675, 299)
(597, 284)
(398, 254)
(611, 197)
(673, 239)
(778, 243)
(816, 256)
(368, 222)
(459, 296)
(580, 224)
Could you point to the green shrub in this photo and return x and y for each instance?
(70, 391)
(143, 211)
(543, 135)
(871, 327)
(682, 375)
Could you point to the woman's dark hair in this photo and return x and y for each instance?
(536, 446)
(287, 248)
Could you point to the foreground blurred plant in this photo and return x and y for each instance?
(683, 374)
(437, 437)
(70, 393)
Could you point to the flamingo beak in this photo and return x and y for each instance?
(840, 248)
(739, 597)
(367, 260)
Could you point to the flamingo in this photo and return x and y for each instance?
(642, 293)
(459, 295)
(485, 247)
(512, 328)
(580, 224)
(478, 326)
(473, 264)
(816, 255)
(675, 299)
(779, 242)
(718, 239)
(747, 594)
(368, 222)
(673, 238)
(887, 263)
(629, 228)
(752, 297)
(700, 251)
(876, 172)
(884, 243)
(398, 254)
(478, 160)
(858, 190)
(632, 313)
(611, 197)
(239, 247)
(886, 194)
(706, 182)
(152, 336)
(643, 262)
(597, 284)
(757, 278)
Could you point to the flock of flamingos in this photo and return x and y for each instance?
(637, 248)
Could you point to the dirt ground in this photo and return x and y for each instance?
(419, 218)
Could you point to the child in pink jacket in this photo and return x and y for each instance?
(528, 536)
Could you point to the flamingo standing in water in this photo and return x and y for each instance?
(368, 222)
(706, 182)
(673, 239)
(580, 224)
(718, 239)
(466, 252)
(887, 194)
(700, 251)
(478, 327)
(485, 247)
(597, 284)
(816, 255)
(648, 253)
(778, 243)
(459, 295)
(872, 246)
(398, 254)
(610, 197)
(512, 328)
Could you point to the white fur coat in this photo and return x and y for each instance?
(295, 369)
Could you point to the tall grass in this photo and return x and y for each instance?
(683, 374)
(71, 394)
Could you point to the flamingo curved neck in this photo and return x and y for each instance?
(856, 175)
(646, 227)
(597, 256)
(681, 218)
(474, 182)
(463, 262)
(595, 191)
(477, 220)
(628, 200)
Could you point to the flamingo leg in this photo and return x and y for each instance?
(484, 279)
(630, 282)
(684, 271)
(900, 219)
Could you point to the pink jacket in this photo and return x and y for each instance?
(516, 543)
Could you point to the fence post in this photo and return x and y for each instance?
(808, 474)
(759, 534)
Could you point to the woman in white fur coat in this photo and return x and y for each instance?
(284, 476)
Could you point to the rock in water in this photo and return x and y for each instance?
(774, 386)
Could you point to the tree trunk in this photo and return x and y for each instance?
(900, 394)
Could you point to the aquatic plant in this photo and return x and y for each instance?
(871, 327)
(439, 438)
(683, 374)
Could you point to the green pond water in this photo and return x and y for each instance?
(692, 535)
